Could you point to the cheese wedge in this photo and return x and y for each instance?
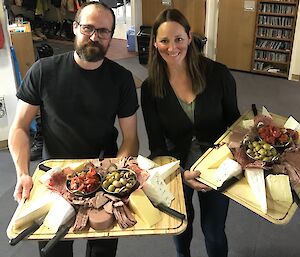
(156, 190)
(77, 166)
(228, 169)
(165, 170)
(35, 210)
(143, 208)
(266, 112)
(247, 124)
(60, 213)
(278, 187)
(291, 123)
(216, 157)
(145, 163)
(256, 180)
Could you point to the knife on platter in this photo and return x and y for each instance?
(296, 198)
(61, 232)
(228, 183)
(28, 231)
(164, 208)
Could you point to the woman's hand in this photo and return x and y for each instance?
(23, 187)
(189, 178)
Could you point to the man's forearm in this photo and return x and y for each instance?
(129, 148)
(19, 143)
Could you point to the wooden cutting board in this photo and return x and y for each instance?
(167, 225)
(278, 212)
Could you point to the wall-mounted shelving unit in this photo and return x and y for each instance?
(274, 36)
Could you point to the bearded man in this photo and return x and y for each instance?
(80, 94)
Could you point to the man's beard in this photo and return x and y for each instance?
(90, 51)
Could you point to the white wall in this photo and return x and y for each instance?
(7, 79)
(211, 28)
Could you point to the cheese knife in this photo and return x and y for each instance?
(60, 233)
(229, 183)
(296, 197)
(164, 208)
(28, 231)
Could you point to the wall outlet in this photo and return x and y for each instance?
(166, 2)
(2, 107)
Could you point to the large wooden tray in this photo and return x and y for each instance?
(278, 212)
(167, 225)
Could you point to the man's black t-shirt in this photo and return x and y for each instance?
(79, 107)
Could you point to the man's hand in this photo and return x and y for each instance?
(189, 178)
(23, 187)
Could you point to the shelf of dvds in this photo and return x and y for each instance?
(274, 36)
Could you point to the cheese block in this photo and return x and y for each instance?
(291, 123)
(35, 210)
(216, 157)
(247, 124)
(156, 190)
(77, 166)
(278, 187)
(60, 213)
(143, 208)
(165, 170)
(256, 180)
(145, 163)
(228, 169)
(45, 177)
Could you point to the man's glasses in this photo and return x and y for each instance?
(89, 30)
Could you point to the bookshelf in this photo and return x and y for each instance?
(274, 36)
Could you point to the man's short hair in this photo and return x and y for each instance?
(100, 5)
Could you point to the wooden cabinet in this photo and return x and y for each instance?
(274, 36)
(236, 27)
(194, 11)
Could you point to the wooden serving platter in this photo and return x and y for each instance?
(278, 212)
(167, 225)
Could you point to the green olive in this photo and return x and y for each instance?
(267, 146)
(111, 188)
(257, 148)
(123, 181)
(262, 151)
(117, 183)
(129, 185)
(105, 184)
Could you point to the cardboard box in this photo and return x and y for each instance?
(23, 45)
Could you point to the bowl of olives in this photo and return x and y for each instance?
(120, 182)
(261, 150)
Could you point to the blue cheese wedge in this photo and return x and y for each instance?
(156, 190)
(278, 187)
(228, 169)
(256, 181)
